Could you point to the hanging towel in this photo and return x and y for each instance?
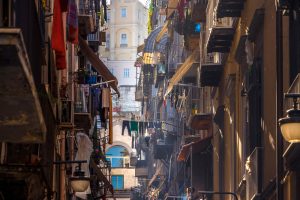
(57, 36)
(105, 97)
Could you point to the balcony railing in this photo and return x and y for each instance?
(119, 161)
(82, 108)
(141, 168)
(229, 8)
(87, 16)
(21, 68)
(219, 31)
(82, 99)
(86, 7)
(211, 67)
(94, 37)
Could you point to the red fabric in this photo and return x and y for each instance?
(180, 8)
(58, 42)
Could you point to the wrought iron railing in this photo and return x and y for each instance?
(213, 21)
(94, 37)
(82, 100)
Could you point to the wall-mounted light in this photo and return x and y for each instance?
(290, 125)
(79, 182)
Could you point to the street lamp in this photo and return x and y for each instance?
(290, 125)
(79, 182)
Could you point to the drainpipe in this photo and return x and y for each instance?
(279, 104)
(62, 167)
(191, 166)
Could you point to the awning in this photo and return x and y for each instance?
(24, 123)
(163, 31)
(185, 149)
(150, 41)
(157, 172)
(182, 71)
(155, 45)
(98, 65)
(201, 121)
(160, 46)
(140, 48)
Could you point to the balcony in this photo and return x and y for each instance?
(220, 32)
(94, 40)
(211, 70)
(66, 117)
(201, 111)
(162, 150)
(229, 8)
(141, 169)
(86, 17)
(23, 123)
(82, 108)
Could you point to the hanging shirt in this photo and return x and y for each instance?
(134, 126)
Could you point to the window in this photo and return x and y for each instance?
(117, 182)
(118, 157)
(126, 73)
(123, 40)
(123, 12)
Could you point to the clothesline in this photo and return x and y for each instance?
(131, 120)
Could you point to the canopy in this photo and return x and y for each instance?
(182, 71)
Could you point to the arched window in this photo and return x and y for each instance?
(118, 156)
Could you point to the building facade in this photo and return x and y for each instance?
(126, 31)
(220, 95)
(55, 106)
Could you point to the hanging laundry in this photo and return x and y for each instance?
(72, 22)
(57, 36)
(132, 141)
(157, 125)
(105, 97)
(150, 125)
(141, 128)
(134, 126)
(126, 124)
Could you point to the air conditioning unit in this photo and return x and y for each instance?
(253, 174)
(66, 113)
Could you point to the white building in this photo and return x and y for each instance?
(127, 29)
